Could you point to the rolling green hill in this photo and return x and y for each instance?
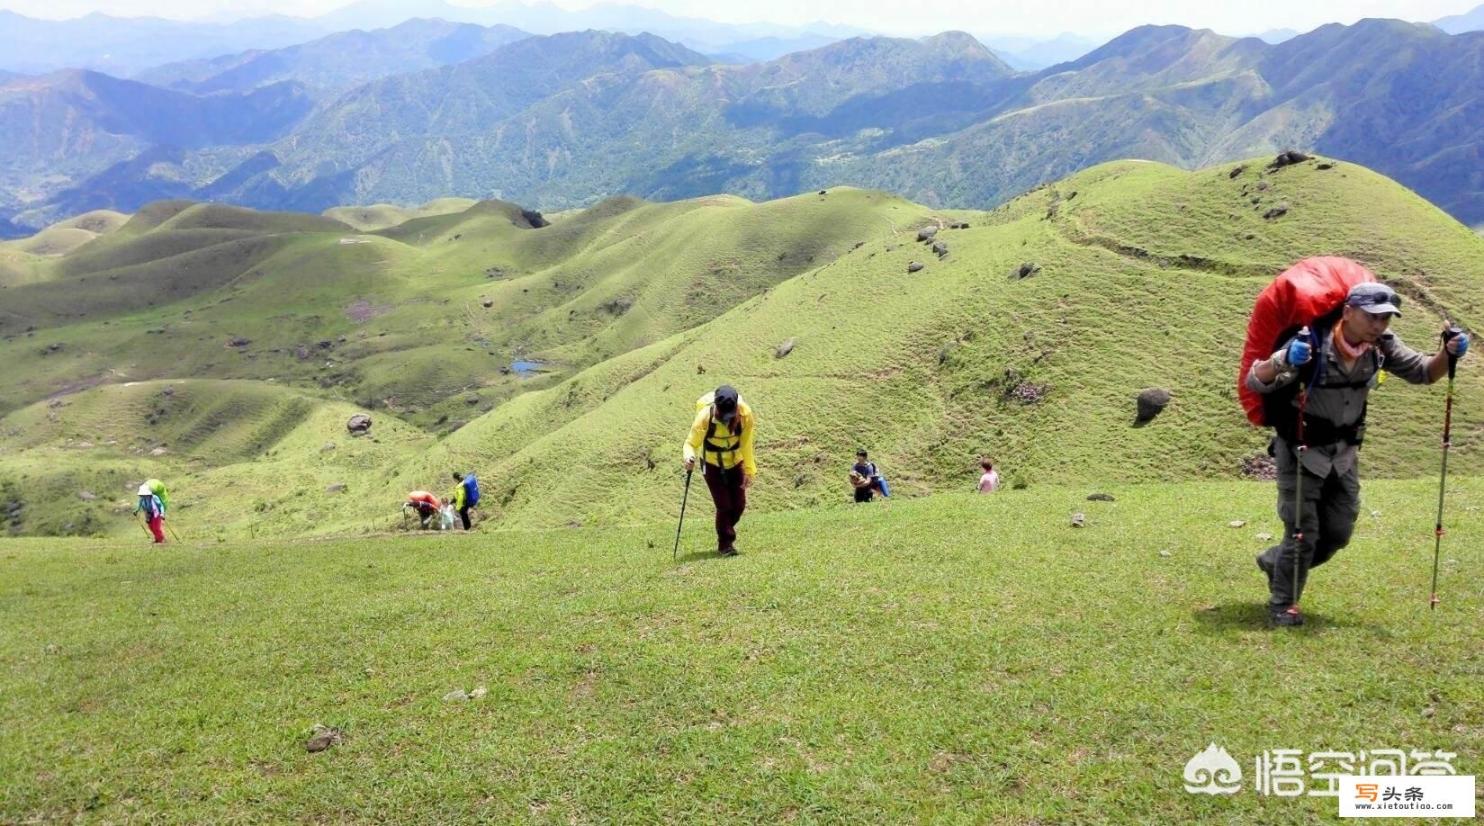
(68, 235)
(418, 315)
(76, 461)
(1141, 276)
(385, 216)
(1146, 278)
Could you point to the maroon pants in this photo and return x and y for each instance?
(730, 498)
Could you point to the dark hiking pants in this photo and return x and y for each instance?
(730, 498)
(1328, 515)
(464, 515)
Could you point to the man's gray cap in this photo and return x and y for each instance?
(1375, 298)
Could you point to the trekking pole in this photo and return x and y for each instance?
(1298, 472)
(173, 534)
(1437, 545)
(675, 553)
(1298, 496)
(145, 528)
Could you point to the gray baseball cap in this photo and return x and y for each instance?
(1375, 298)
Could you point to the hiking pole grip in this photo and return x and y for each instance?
(1453, 331)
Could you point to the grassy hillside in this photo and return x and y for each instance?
(385, 216)
(1142, 277)
(33, 259)
(1146, 278)
(68, 235)
(414, 319)
(421, 322)
(959, 658)
(74, 463)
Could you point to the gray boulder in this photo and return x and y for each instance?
(359, 424)
(1288, 158)
(1025, 270)
(1149, 404)
(323, 738)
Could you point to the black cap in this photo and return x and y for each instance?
(725, 400)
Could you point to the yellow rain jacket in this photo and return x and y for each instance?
(723, 448)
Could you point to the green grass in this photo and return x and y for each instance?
(385, 216)
(457, 295)
(256, 447)
(1147, 278)
(955, 658)
(1147, 275)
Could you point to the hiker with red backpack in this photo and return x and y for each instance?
(424, 505)
(1312, 391)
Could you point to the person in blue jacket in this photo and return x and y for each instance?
(466, 497)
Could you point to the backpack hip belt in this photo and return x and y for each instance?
(1319, 431)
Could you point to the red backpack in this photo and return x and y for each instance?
(1302, 295)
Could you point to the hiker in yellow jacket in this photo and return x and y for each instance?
(722, 436)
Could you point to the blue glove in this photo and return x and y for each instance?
(1461, 345)
(1298, 352)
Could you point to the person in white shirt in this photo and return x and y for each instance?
(990, 481)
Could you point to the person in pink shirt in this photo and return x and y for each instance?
(990, 481)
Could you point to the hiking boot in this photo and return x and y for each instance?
(1262, 564)
(728, 551)
(1287, 617)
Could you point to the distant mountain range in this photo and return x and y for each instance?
(86, 126)
(129, 46)
(1470, 21)
(563, 120)
(1029, 54)
(339, 61)
(122, 46)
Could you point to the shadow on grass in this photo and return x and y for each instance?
(700, 556)
(1237, 617)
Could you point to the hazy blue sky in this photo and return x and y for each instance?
(1094, 17)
